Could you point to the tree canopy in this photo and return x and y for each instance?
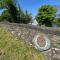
(46, 15)
(13, 13)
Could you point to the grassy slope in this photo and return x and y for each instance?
(12, 48)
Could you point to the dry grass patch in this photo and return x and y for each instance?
(12, 48)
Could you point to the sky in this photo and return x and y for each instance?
(32, 5)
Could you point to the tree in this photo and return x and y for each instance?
(11, 7)
(46, 15)
(28, 17)
(6, 16)
(14, 13)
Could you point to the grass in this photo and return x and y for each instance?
(12, 48)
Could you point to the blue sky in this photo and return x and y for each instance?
(33, 5)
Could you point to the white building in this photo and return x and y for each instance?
(34, 22)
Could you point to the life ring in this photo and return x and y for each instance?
(47, 43)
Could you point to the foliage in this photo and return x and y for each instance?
(14, 14)
(27, 17)
(57, 22)
(6, 16)
(5, 3)
(11, 7)
(12, 48)
(46, 15)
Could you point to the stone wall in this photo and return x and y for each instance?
(27, 32)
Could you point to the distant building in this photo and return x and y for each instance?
(33, 22)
